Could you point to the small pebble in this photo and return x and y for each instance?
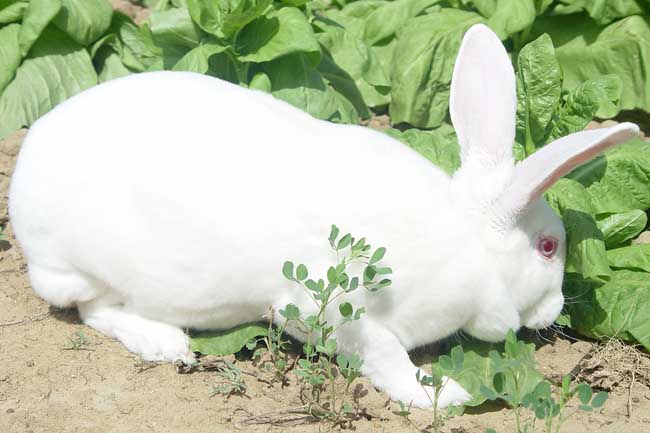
(30, 363)
(635, 399)
(10, 410)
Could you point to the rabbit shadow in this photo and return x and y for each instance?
(67, 315)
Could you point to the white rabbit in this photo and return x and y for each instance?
(167, 200)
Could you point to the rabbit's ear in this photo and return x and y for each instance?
(483, 99)
(537, 173)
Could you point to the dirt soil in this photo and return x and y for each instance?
(58, 375)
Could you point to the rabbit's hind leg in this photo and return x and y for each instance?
(154, 341)
(63, 287)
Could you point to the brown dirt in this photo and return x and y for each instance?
(50, 384)
(133, 9)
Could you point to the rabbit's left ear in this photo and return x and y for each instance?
(542, 169)
(483, 100)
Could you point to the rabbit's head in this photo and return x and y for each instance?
(521, 239)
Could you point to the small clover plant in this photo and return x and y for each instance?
(320, 367)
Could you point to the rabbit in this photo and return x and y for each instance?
(169, 200)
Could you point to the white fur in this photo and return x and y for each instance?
(169, 199)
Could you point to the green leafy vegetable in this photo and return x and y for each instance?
(423, 63)
(619, 228)
(56, 69)
(226, 342)
(618, 308)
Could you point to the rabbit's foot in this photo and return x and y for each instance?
(154, 341)
(452, 394)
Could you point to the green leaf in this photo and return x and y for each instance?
(618, 180)
(9, 54)
(440, 146)
(56, 69)
(174, 32)
(482, 362)
(37, 16)
(276, 34)
(586, 251)
(226, 342)
(377, 255)
(599, 399)
(351, 104)
(85, 21)
(109, 65)
(581, 105)
(260, 81)
(634, 258)
(619, 228)
(345, 309)
(619, 308)
(287, 270)
(334, 233)
(384, 21)
(507, 17)
(207, 14)
(290, 312)
(423, 63)
(241, 14)
(586, 51)
(301, 272)
(606, 11)
(584, 393)
(295, 81)
(138, 51)
(344, 242)
(351, 54)
(539, 81)
(12, 12)
(198, 59)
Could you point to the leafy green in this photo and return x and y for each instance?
(618, 228)
(276, 34)
(583, 103)
(586, 251)
(386, 19)
(294, 80)
(618, 180)
(9, 53)
(85, 21)
(423, 63)
(38, 15)
(228, 341)
(56, 69)
(618, 308)
(634, 258)
(440, 146)
(587, 51)
(481, 362)
(198, 59)
(539, 81)
(508, 17)
(12, 12)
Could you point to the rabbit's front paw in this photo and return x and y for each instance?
(452, 394)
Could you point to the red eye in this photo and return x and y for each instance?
(547, 246)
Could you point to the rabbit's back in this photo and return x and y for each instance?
(184, 193)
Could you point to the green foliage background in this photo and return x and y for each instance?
(345, 60)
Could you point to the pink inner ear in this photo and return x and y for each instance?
(576, 160)
(537, 173)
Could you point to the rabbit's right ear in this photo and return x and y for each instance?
(483, 100)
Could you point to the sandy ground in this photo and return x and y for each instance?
(49, 384)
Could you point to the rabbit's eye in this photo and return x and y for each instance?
(547, 246)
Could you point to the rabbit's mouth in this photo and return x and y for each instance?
(543, 314)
